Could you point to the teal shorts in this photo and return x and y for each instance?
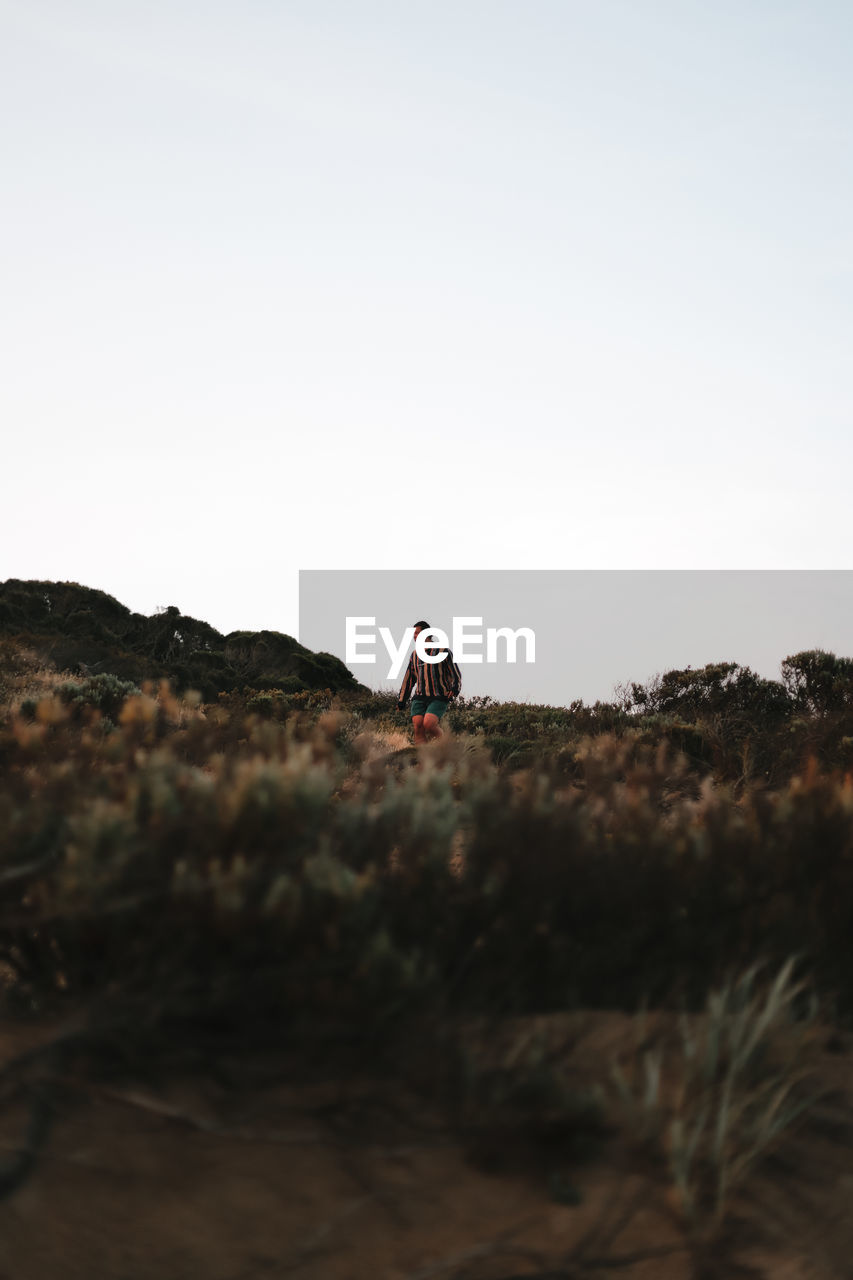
(429, 706)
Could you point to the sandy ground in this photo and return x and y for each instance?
(268, 1179)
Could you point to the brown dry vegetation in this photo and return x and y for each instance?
(25, 675)
(284, 997)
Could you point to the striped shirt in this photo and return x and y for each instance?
(431, 679)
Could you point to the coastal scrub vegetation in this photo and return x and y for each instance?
(270, 863)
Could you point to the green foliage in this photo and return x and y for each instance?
(77, 628)
(819, 682)
(726, 720)
(207, 670)
(278, 703)
(344, 886)
(105, 693)
(260, 656)
(716, 1101)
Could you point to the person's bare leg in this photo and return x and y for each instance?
(418, 727)
(432, 729)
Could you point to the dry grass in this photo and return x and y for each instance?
(715, 1099)
(375, 744)
(24, 675)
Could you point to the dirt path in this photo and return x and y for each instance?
(196, 1180)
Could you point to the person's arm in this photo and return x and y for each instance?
(406, 687)
(452, 677)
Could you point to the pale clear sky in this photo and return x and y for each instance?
(481, 284)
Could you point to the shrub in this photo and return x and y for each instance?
(105, 693)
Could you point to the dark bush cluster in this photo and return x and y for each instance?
(80, 629)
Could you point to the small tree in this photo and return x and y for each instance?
(818, 681)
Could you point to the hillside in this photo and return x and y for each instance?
(85, 631)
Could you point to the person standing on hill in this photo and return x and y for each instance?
(435, 684)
